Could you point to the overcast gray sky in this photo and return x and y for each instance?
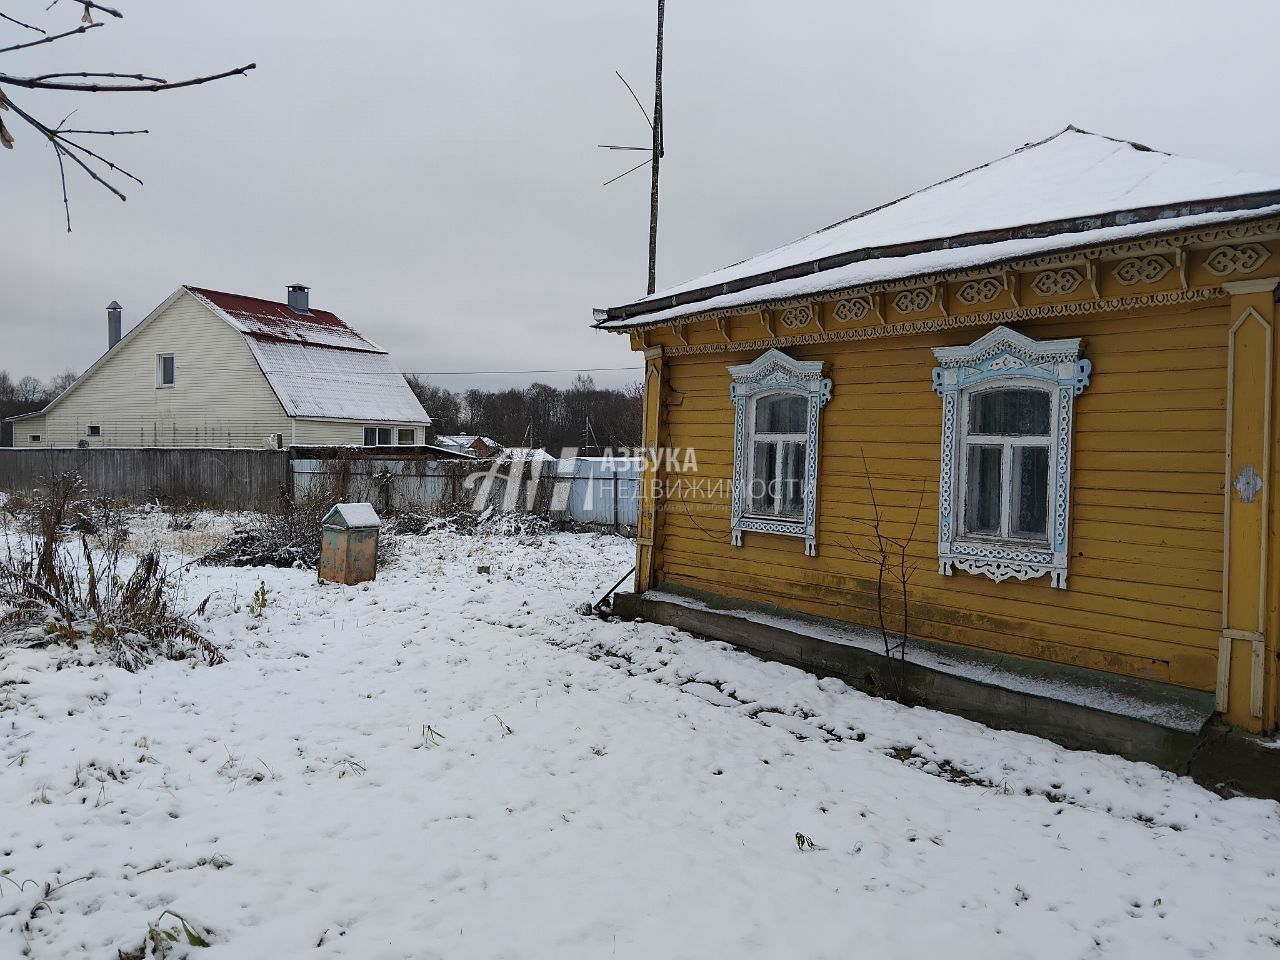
(431, 170)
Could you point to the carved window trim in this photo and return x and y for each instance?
(774, 372)
(1004, 357)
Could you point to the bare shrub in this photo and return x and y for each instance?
(290, 538)
(894, 570)
(64, 580)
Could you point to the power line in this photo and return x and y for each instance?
(447, 373)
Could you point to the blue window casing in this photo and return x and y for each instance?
(1006, 358)
(775, 373)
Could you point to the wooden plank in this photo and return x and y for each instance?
(948, 603)
(1022, 637)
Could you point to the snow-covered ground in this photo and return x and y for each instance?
(453, 764)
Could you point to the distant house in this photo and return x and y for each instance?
(472, 446)
(212, 369)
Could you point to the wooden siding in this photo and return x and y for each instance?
(1145, 578)
(219, 398)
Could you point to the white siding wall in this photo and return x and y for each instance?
(219, 399)
(23, 430)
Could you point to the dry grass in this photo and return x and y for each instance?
(64, 579)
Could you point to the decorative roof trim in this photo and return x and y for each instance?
(955, 321)
(1163, 243)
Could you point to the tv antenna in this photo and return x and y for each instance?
(654, 150)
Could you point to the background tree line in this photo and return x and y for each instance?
(30, 393)
(539, 415)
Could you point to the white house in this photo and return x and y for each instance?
(211, 369)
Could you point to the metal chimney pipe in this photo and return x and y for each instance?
(113, 323)
(299, 298)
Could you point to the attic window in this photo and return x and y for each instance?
(1008, 403)
(165, 370)
(404, 436)
(94, 430)
(377, 436)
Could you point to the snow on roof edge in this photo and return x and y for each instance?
(946, 260)
(1073, 181)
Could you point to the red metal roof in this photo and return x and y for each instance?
(278, 321)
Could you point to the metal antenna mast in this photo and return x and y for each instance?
(655, 151)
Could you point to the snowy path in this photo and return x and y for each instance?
(595, 790)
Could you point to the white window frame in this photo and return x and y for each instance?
(1006, 442)
(89, 430)
(391, 435)
(775, 373)
(160, 358)
(777, 438)
(1005, 358)
(413, 436)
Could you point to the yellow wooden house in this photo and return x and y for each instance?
(1052, 375)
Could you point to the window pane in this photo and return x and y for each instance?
(791, 480)
(404, 435)
(1030, 492)
(782, 413)
(774, 491)
(166, 369)
(1011, 413)
(764, 477)
(370, 436)
(982, 490)
(384, 436)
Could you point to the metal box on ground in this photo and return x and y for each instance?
(349, 544)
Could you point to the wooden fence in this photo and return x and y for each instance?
(599, 493)
(219, 478)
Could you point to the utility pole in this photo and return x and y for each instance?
(655, 149)
(657, 155)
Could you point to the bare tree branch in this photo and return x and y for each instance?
(121, 76)
(32, 83)
(55, 134)
(56, 139)
(105, 133)
(5, 16)
(62, 172)
(60, 137)
(91, 4)
(50, 38)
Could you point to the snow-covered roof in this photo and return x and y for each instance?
(334, 384)
(463, 441)
(317, 365)
(527, 453)
(279, 321)
(352, 516)
(1071, 190)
